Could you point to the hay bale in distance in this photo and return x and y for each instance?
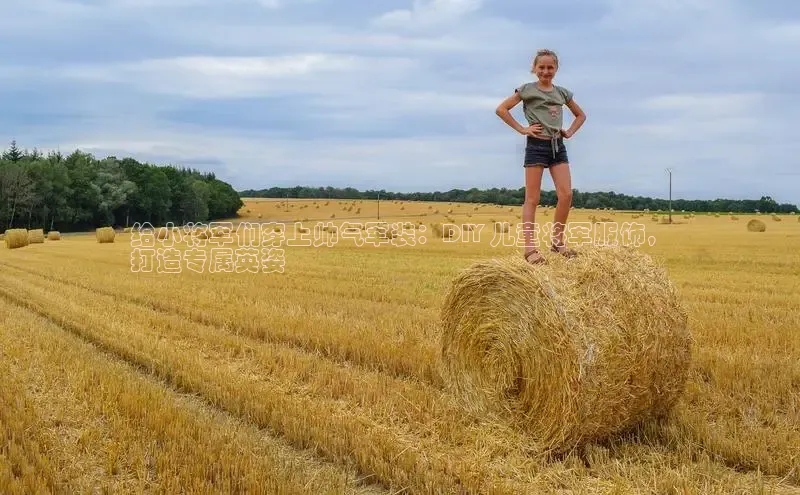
(36, 236)
(163, 233)
(54, 235)
(756, 225)
(105, 235)
(572, 351)
(502, 227)
(16, 238)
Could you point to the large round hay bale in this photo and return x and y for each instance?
(756, 225)
(16, 238)
(105, 235)
(36, 236)
(163, 233)
(572, 351)
(54, 235)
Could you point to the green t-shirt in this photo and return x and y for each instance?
(544, 107)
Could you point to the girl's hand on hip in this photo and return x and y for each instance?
(532, 130)
(566, 134)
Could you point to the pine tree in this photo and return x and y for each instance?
(13, 154)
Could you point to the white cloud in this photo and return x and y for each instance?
(257, 159)
(411, 103)
(783, 32)
(426, 13)
(205, 77)
(664, 83)
(707, 105)
(667, 14)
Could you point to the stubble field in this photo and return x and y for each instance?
(325, 378)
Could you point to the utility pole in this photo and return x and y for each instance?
(669, 171)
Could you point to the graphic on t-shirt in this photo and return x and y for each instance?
(553, 111)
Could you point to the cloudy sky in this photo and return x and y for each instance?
(400, 94)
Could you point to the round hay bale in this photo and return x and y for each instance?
(36, 236)
(54, 235)
(126, 230)
(756, 225)
(163, 233)
(105, 235)
(572, 351)
(16, 238)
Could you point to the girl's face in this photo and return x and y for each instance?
(545, 68)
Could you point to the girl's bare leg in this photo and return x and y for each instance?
(533, 187)
(563, 182)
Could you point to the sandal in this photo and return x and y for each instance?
(538, 260)
(566, 252)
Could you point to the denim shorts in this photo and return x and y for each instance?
(544, 152)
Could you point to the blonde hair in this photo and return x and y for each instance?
(544, 52)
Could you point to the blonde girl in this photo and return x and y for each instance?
(543, 103)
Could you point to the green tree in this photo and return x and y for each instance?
(111, 188)
(17, 191)
(195, 202)
(52, 187)
(13, 154)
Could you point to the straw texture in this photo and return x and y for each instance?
(16, 238)
(105, 235)
(571, 351)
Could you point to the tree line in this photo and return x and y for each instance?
(80, 192)
(504, 196)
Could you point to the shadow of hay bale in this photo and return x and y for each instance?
(572, 351)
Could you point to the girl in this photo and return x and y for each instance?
(543, 108)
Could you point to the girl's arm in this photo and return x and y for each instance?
(580, 118)
(504, 112)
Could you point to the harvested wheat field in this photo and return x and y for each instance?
(329, 367)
